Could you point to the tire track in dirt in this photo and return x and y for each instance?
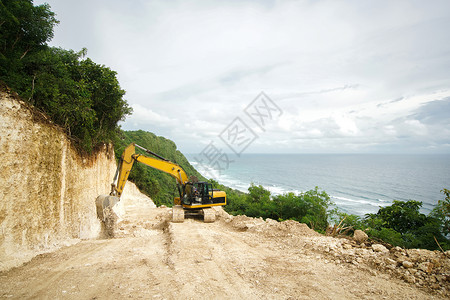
(206, 264)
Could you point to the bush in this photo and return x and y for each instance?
(387, 235)
(442, 212)
(401, 224)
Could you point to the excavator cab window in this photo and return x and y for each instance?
(202, 192)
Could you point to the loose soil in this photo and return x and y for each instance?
(233, 258)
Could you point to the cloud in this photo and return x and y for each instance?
(146, 116)
(420, 124)
(349, 76)
(434, 112)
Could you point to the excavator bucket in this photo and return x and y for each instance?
(107, 213)
(105, 204)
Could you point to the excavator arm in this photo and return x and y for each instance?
(129, 156)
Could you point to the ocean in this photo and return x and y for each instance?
(357, 183)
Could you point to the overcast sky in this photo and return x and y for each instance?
(345, 76)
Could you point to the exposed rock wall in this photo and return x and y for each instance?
(47, 191)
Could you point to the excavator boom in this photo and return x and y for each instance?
(128, 158)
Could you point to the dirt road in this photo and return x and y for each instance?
(151, 258)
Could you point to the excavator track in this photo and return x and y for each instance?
(177, 214)
(209, 215)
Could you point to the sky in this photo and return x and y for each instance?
(274, 76)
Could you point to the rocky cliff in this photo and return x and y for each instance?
(47, 193)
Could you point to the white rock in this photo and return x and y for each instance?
(397, 249)
(379, 248)
(360, 236)
(347, 246)
(425, 266)
(410, 279)
(408, 264)
(391, 261)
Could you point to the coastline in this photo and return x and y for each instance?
(357, 183)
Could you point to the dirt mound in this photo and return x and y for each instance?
(423, 268)
(269, 227)
(429, 270)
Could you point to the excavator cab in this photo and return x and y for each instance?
(198, 193)
(198, 199)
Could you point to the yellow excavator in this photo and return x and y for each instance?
(195, 198)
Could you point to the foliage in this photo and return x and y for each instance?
(402, 224)
(400, 216)
(81, 96)
(24, 29)
(161, 187)
(352, 222)
(311, 207)
(387, 235)
(257, 194)
(442, 212)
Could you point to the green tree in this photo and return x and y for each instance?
(24, 28)
(258, 194)
(316, 207)
(402, 224)
(442, 212)
(311, 207)
(83, 97)
(106, 99)
(402, 216)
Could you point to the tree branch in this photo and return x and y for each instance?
(32, 89)
(25, 53)
(440, 246)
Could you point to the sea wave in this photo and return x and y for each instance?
(361, 201)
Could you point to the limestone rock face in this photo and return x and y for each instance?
(48, 193)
